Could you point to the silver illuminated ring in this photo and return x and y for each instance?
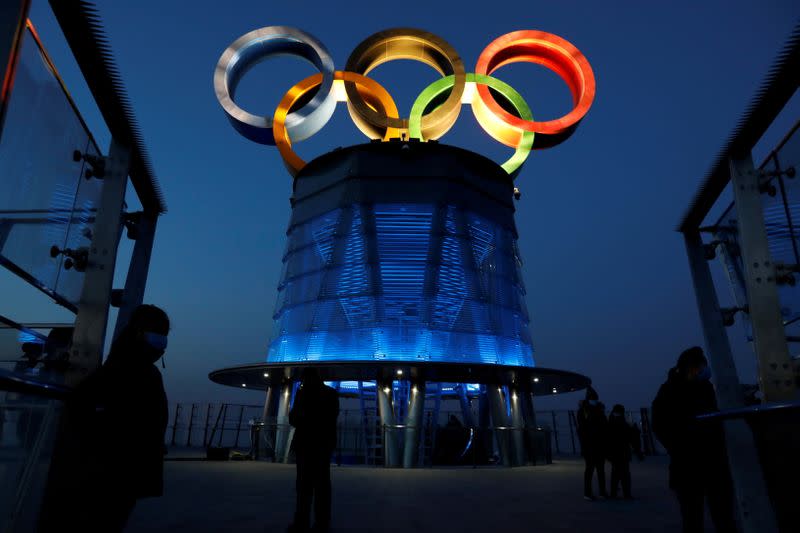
(252, 48)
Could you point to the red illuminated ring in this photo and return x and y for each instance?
(553, 52)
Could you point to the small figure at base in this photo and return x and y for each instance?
(313, 415)
(620, 440)
(592, 426)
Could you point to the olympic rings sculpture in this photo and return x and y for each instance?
(308, 105)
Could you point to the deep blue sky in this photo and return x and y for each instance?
(608, 286)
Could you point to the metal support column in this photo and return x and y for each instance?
(90, 324)
(517, 428)
(135, 283)
(268, 401)
(755, 510)
(466, 408)
(269, 418)
(282, 431)
(500, 422)
(775, 372)
(416, 404)
(484, 418)
(529, 418)
(386, 410)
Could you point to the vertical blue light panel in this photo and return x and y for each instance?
(401, 282)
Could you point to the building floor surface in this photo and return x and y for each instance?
(203, 496)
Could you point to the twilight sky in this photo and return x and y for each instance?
(609, 291)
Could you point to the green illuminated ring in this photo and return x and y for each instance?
(437, 88)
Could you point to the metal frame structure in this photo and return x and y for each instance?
(778, 373)
(126, 158)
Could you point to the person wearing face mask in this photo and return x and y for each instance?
(592, 425)
(698, 470)
(112, 453)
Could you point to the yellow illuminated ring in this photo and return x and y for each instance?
(406, 43)
(369, 91)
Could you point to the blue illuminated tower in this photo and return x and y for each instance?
(402, 253)
(401, 284)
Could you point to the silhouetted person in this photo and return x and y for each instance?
(111, 449)
(313, 415)
(620, 440)
(698, 460)
(592, 426)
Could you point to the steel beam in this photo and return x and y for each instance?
(282, 430)
(718, 348)
(135, 283)
(90, 325)
(775, 372)
(753, 504)
(500, 422)
(386, 410)
(269, 400)
(416, 404)
(517, 428)
(466, 408)
(529, 417)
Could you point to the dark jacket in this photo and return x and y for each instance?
(696, 448)
(620, 439)
(122, 413)
(313, 416)
(592, 427)
(110, 443)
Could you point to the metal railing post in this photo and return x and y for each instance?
(191, 426)
(572, 424)
(136, 281)
(555, 432)
(755, 510)
(239, 425)
(90, 324)
(775, 367)
(175, 423)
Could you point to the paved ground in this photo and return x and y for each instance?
(259, 497)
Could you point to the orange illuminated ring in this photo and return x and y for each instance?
(553, 52)
(417, 45)
(369, 91)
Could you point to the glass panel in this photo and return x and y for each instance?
(79, 235)
(782, 216)
(27, 434)
(41, 182)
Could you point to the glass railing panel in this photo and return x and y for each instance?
(27, 433)
(41, 182)
(80, 230)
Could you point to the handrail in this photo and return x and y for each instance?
(13, 382)
(752, 410)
